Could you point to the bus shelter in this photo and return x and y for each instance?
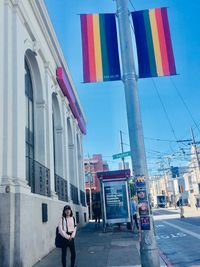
(114, 197)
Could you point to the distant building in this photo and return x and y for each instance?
(42, 126)
(195, 169)
(93, 165)
(181, 181)
(158, 185)
(192, 177)
(175, 183)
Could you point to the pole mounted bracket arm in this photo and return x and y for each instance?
(129, 76)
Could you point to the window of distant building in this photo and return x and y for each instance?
(29, 127)
(89, 171)
(86, 178)
(190, 181)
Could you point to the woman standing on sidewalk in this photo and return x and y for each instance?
(67, 229)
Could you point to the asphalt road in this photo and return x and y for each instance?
(178, 239)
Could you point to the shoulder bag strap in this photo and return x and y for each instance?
(62, 224)
(74, 222)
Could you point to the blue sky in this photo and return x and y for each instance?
(104, 103)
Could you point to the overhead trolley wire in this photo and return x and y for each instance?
(184, 103)
(132, 5)
(157, 139)
(165, 111)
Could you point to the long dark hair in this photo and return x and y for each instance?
(67, 207)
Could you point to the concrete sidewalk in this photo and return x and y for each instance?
(115, 248)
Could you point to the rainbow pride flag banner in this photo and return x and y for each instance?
(100, 48)
(153, 41)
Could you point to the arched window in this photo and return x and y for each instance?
(29, 128)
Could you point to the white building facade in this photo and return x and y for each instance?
(41, 130)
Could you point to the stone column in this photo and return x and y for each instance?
(40, 132)
(12, 125)
(82, 164)
(59, 150)
(76, 161)
(1, 81)
(49, 87)
(70, 140)
(13, 115)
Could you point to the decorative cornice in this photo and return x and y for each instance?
(46, 28)
(41, 104)
(8, 2)
(17, 7)
(68, 111)
(15, 2)
(36, 46)
(59, 130)
(42, 18)
(49, 69)
(52, 40)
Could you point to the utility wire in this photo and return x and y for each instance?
(129, 17)
(198, 126)
(165, 111)
(184, 103)
(132, 5)
(157, 139)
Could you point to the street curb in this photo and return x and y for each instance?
(165, 259)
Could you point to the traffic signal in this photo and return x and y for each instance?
(175, 172)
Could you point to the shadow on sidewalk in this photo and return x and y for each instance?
(94, 248)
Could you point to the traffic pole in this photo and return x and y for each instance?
(196, 155)
(148, 249)
(90, 190)
(123, 161)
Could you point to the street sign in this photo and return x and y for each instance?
(122, 155)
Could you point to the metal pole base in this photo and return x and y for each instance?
(148, 250)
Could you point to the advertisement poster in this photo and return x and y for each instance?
(143, 208)
(140, 181)
(145, 223)
(116, 203)
(142, 195)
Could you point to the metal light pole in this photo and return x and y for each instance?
(123, 162)
(90, 190)
(148, 249)
(196, 155)
(90, 198)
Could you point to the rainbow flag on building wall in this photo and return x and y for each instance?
(153, 41)
(100, 48)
